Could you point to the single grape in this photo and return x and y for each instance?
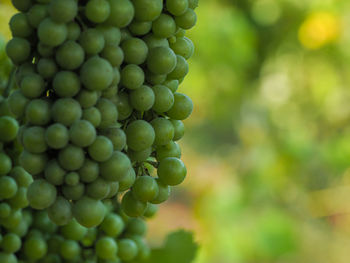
(23, 179)
(101, 149)
(140, 156)
(19, 200)
(163, 194)
(186, 20)
(111, 34)
(135, 51)
(82, 133)
(89, 171)
(41, 194)
(179, 129)
(145, 188)
(92, 41)
(142, 99)
(32, 86)
(22, 5)
(71, 178)
(73, 192)
(89, 212)
(17, 103)
(8, 129)
(112, 225)
(171, 149)
(70, 249)
(182, 108)
(183, 47)
(73, 230)
(70, 55)
(123, 106)
(66, 111)
(38, 112)
(116, 167)
(131, 206)
(161, 60)
(106, 248)
(139, 28)
(97, 11)
(54, 173)
(152, 41)
(164, 26)
(46, 67)
(45, 50)
(73, 31)
(122, 13)
(34, 248)
(52, 33)
(193, 4)
(164, 131)
(19, 25)
(92, 115)
(117, 137)
(181, 69)
(177, 7)
(155, 79)
(164, 98)
(114, 54)
(140, 135)
(109, 113)
(87, 98)
(60, 212)
(5, 164)
(151, 210)
(63, 11)
(34, 139)
(71, 157)
(98, 189)
(11, 243)
(127, 181)
(36, 14)
(171, 171)
(33, 163)
(18, 50)
(66, 84)
(127, 249)
(8, 187)
(57, 136)
(113, 190)
(132, 76)
(147, 10)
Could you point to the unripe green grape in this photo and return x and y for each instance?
(33, 163)
(92, 115)
(132, 76)
(145, 188)
(131, 206)
(163, 194)
(123, 106)
(177, 7)
(69, 249)
(152, 41)
(97, 11)
(36, 14)
(125, 34)
(73, 230)
(135, 51)
(171, 149)
(139, 28)
(4, 108)
(23, 70)
(186, 20)
(38, 112)
(151, 210)
(54, 242)
(122, 13)
(13, 220)
(109, 113)
(127, 249)
(41, 194)
(182, 108)
(73, 192)
(164, 26)
(136, 226)
(89, 171)
(113, 190)
(20, 200)
(63, 11)
(147, 10)
(71, 178)
(142, 99)
(70, 55)
(155, 79)
(98, 189)
(171, 171)
(23, 179)
(127, 181)
(179, 129)
(66, 111)
(5, 164)
(181, 69)
(60, 212)
(106, 248)
(140, 135)
(8, 187)
(164, 98)
(111, 34)
(173, 85)
(117, 137)
(11, 243)
(183, 47)
(44, 50)
(52, 33)
(164, 131)
(89, 240)
(96, 73)
(116, 77)
(32, 86)
(57, 136)
(34, 139)
(110, 92)
(87, 98)
(22, 5)
(89, 212)
(82, 133)
(113, 225)
(34, 248)
(161, 60)
(19, 26)
(46, 67)
(73, 31)
(139, 156)
(66, 84)
(114, 54)
(116, 167)
(92, 41)
(71, 158)
(8, 258)
(18, 50)
(193, 4)
(101, 149)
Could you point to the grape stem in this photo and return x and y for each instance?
(10, 83)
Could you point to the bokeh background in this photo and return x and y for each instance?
(268, 144)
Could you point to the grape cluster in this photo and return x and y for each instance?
(98, 102)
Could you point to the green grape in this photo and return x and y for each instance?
(171, 171)
(89, 171)
(92, 41)
(70, 249)
(164, 26)
(180, 32)
(127, 249)
(82, 133)
(70, 55)
(54, 242)
(38, 112)
(73, 230)
(125, 34)
(17, 103)
(33, 163)
(71, 157)
(23, 179)
(66, 84)
(18, 50)
(73, 31)
(177, 7)
(155, 79)
(164, 98)
(20, 200)
(42, 222)
(117, 137)
(113, 189)
(98, 189)
(183, 47)
(143, 250)
(22, 5)
(106, 248)
(114, 54)
(152, 41)
(161, 60)
(116, 77)
(181, 69)
(151, 210)
(122, 13)
(89, 212)
(171, 149)
(186, 20)
(163, 194)
(173, 85)
(44, 50)
(112, 225)
(32, 86)
(182, 108)
(179, 129)
(57, 136)
(36, 14)
(131, 206)
(60, 212)
(135, 50)
(147, 10)
(19, 26)
(74, 192)
(123, 106)
(89, 239)
(145, 188)
(41, 194)
(139, 156)
(109, 113)
(111, 91)
(140, 135)
(87, 98)
(132, 76)
(142, 99)
(8, 187)
(34, 248)
(4, 108)
(13, 220)
(97, 11)
(5, 164)
(63, 11)
(66, 111)
(46, 67)
(127, 181)
(164, 131)
(23, 70)
(101, 149)
(92, 115)
(52, 33)
(116, 167)
(71, 178)
(136, 226)
(34, 139)
(5, 210)
(139, 28)
(111, 34)
(96, 73)
(193, 4)
(6, 257)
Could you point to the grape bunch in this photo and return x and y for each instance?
(98, 104)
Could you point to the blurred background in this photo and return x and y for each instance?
(268, 145)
